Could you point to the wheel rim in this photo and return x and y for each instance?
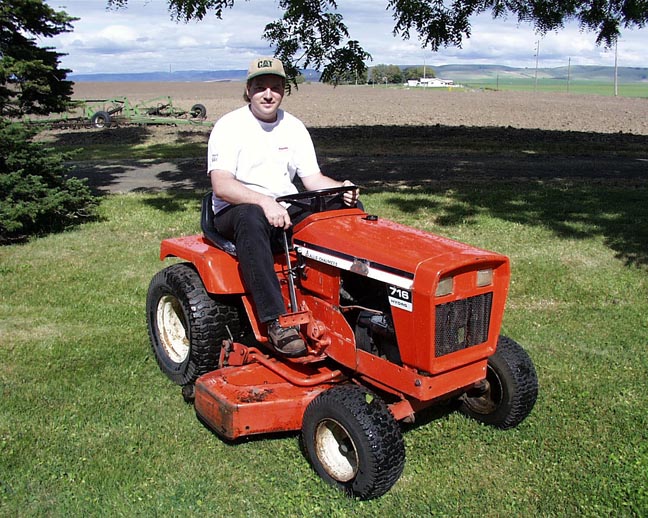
(336, 451)
(490, 399)
(172, 329)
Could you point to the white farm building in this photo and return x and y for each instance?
(431, 82)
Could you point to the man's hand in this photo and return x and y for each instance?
(275, 213)
(318, 181)
(350, 197)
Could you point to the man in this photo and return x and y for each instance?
(254, 154)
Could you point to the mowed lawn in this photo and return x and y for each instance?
(89, 426)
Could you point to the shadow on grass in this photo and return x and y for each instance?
(577, 185)
(128, 135)
(175, 203)
(571, 210)
(118, 137)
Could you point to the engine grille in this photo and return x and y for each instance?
(462, 323)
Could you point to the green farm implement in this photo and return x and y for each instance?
(103, 113)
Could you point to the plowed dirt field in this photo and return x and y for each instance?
(395, 136)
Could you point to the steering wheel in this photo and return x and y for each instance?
(319, 200)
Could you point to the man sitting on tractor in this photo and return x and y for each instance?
(254, 153)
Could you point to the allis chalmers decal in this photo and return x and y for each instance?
(400, 280)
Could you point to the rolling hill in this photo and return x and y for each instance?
(458, 73)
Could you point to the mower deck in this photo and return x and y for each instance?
(251, 399)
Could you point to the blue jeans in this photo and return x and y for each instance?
(256, 241)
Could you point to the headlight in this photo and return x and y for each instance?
(445, 287)
(485, 277)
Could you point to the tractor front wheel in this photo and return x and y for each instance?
(353, 441)
(510, 390)
(186, 324)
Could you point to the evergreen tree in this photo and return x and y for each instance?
(30, 78)
(35, 195)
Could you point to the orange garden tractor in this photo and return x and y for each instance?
(395, 320)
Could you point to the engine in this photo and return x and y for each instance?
(365, 306)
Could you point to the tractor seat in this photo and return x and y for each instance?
(209, 231)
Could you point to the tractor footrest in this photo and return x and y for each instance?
(251, 399)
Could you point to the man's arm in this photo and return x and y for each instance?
(317, 181)
(232, 191)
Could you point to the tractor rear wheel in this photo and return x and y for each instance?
(353, 441)
(510, 390)
(186, 324)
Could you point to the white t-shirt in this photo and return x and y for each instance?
(263, 156)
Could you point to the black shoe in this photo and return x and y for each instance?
(286, 340)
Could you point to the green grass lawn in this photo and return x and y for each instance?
(89, 426)
(549, 85)
(554, 85)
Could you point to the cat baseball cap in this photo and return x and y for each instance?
(264, 65)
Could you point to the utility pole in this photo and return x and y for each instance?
(568, 73)
(535, 85)
(616, 63)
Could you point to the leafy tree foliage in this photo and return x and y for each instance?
(350, 78)
(391, 74)
(312, 33)
(35, 195)
(418, 72)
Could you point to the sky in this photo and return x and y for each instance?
(144, 38)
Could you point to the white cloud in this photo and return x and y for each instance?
(187, 42)
(145, 38)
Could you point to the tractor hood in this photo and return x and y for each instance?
(382, 249)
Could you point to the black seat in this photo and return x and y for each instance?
(207, 226)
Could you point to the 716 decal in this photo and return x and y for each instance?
(400, 297)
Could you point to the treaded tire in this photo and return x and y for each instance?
(198, 111)
(512, 388)
(353, 441)
(186, 324)
(100, 119)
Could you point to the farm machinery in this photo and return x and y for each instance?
(396, 320)
(154, 111)
(102, 113)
